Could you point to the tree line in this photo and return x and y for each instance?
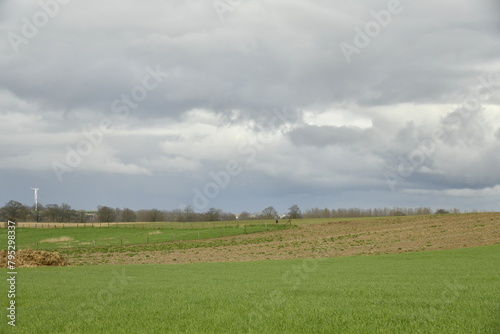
(377, 212)
(64, 213)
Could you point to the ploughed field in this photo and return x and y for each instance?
(334, 239)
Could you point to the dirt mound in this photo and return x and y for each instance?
(33, 258)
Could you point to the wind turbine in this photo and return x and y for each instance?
(36, 198)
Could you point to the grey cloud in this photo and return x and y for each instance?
(313, 135)
(228, 65)
(264, 58)
(466, 127)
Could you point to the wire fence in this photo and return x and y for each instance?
(61, 236)
(151, 225)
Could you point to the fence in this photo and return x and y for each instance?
(61, 236)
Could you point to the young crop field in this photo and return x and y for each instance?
(452, 291)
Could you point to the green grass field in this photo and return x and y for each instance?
(85, 237)
(455, 291)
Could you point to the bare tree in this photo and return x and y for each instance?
(227, 216)
(155, 215)
(52, 212)
(81, 216)
(294, 212)
(152, 215)
(128, 215)
(37, 215)
(269, 213)
(14, 211)
(67, 213)
(105, 214)
(175, 215)
(213, 214)
(188, 214)
(245, 215)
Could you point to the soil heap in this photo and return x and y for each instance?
(33, 258)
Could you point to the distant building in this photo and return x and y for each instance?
(91, 216)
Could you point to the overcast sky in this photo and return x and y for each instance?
(240, 105)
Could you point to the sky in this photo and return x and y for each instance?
(241, 105)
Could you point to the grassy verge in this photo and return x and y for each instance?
(105, 237)
(453, 291)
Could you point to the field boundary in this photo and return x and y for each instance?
(78, 238)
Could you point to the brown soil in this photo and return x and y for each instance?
(342, 238)
(32, 258)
